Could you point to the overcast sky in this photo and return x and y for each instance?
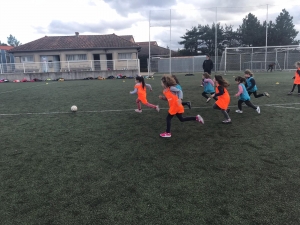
(29, 20)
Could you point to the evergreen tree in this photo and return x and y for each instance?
(251, 32)
(284, 32)
(12, 41)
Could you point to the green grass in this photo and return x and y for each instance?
(111, 167)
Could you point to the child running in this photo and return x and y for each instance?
(140, 89)
(223, 97)
(178, 86)
(175, 104)
(244, 96)
(251, 85)
(297, 79)
(208, 87)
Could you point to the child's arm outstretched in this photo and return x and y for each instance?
(177, 92)
(240, 91)
(221, 92)
(149, 86)
(134, 91)
(206, 81)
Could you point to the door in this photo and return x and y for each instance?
(110, 62)
(97, 65)
(56, 63)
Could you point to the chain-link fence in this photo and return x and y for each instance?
(259, 58)
(191, 64)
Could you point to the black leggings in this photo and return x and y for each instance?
(207, 71)
(215, 106)
(204, 94)
(248, 103)
(255, 94)
(294, 88)
(180, 117)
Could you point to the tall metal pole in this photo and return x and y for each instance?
(225, 61)
(240, 62)
(170, 44)
(266, 37)
(216, 35)
(149, 64)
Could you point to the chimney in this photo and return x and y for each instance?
(76, 34)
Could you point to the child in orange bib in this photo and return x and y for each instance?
(140, 90)
(175, 104)
(297, 79)
(223, 97)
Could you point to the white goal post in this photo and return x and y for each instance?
(259, 58)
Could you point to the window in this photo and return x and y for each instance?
(27, 58)
(7, 58)
(76, 57)
(124, 56)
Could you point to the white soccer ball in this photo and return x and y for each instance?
(74, 108)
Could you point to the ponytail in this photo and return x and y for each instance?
(240, 79)
(141, 80)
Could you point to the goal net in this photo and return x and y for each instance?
(259, 58)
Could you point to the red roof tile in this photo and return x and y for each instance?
(3, 47)
(76, 42)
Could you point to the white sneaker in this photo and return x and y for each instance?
(200, 119)
(258, 110)
(157, 108)
(138, 110)
(226, 121)
(238, 111)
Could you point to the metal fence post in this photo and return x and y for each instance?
(225, 61)
(240, 62)
(193, 64)
(138, 66)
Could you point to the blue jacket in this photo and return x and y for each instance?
(250, 86)
(208, 88)
(244, 96)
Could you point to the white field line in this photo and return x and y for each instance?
(24, 88)
(128, 110)
(296, 103)
(284, 107)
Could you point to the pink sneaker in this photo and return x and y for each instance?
(138, 110)
(200, 119)
(165, 135)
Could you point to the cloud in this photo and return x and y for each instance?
(124, 7)
(91, 3)
(61, 27)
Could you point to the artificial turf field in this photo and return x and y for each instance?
(106, 164)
